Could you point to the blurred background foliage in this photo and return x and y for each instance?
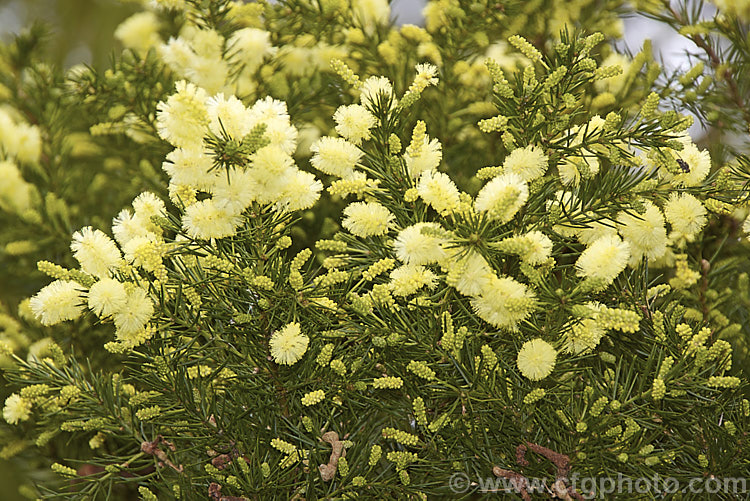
(76, 31)
(79, 30)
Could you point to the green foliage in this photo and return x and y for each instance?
(521, 267)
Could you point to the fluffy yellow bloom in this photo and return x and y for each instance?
(107, 297)
(536, 359)
(409, 278)
(183, 118)
(335, 156)
(20, 140)
(371, 13)
(145, 252)
(585, 335)
(139, 32)
(373, 88)
(125, 227)
(15, 192)
(190, 167)
(467, 272)
(504, 303)
(528, 163)
(206, 220)
(281, 134)
(61, 300)
(695, 164)
(428, 159)
(604, 259)
(147, 205)
(197, 55)
(686, 215)
(137, 311)
(288, 344)
(95, 251)
(301, 191)
(533, 247)
(250, 46)
(439, 191)
(235, 191)
(228, 115)
(354, 122)
(16, 409)
(645, 233)
(421, 243)
(366, 219)
(502, 197)
(279, 131)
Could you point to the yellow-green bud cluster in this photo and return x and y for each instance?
(438, 423)
(378, 267)
(352, 186)
(684, 277)
(53, 270)
(148, 412)
(346, 73)
(284, 242)
(324, 357)
(375, 452)
(554, 78)
(262, 282)
(313, 397)
(501, 87)
(343, 467)
(613, 431)
(698, 341)
(525, 48)
(387, 382)
(401, 458)
(689, 76)
(731, 428)
(489, 172)
(331, 246)
(381, 295)
(534, 396)
(401, 437)
(631, 428)
(421, 369)
(618, 319)
(685, 331)
(283, 446)
(723, 381)
(598, 406)
(658, 389)
(417, 139)
(493, 124)
(607, 72)
(420, 414)
(338, 366)
(65, 471)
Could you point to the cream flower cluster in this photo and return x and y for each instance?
(270, 178)
(126, 304)
(188, 115)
